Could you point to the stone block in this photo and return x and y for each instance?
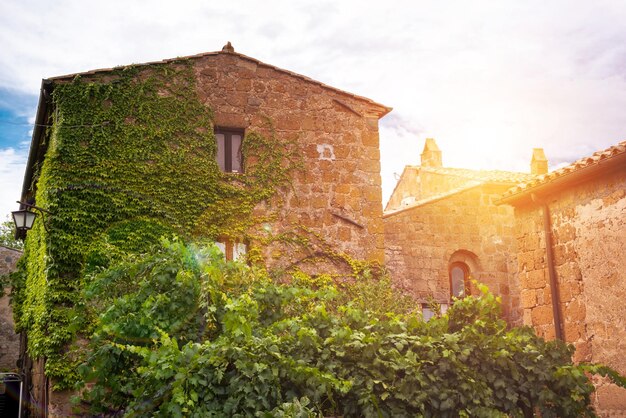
(526, 261)
(542, 315)
(575, 311)
(534, 279)
(528, 298)
(569, 291)
(612, 399)
(573, 331)
(583, 352)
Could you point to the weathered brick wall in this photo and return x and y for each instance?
(337, 133)
(589, 238)
(9, 340)
(420, 242)
(421, 183)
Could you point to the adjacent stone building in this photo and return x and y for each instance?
(9, 340)
(443, 228)
(552, 245)
(571, 238)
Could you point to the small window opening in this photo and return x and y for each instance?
(427, 312)
(430, 310)
(229, 142)
(459, 280)
(232, 250)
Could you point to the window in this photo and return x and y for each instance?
(229, 149)
(430, 310)
(459, 279)
(232, 250)
(427, 312)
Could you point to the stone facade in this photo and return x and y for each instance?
(335, 198)
(467, 226)
(337, 131)
(586, 203)
(337, 194)
(439, 216)
(9, 340)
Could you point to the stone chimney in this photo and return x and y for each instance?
(228, 47)
(539, 162)
(431, 156)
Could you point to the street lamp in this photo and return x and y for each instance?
(24, 218)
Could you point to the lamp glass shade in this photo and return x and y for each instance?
(23, 219)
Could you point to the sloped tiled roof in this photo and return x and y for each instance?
(384, 109)
(434, 198)
(597, 158)
(497, 176)
(472, 177)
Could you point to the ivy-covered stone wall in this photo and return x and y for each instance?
(131, 157)
(336, 135)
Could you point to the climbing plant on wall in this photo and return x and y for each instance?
(130, 158)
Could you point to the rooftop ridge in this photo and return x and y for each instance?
(435, 198)
(594, 159)
(228, 51)
(490, 175)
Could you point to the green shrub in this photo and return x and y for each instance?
(181, 332)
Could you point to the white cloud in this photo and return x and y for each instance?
(489, 80)
(12, 166)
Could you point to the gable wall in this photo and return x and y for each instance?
(337, 134)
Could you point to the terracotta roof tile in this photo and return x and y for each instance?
(434, 198)
(498, 176)
(583, 163)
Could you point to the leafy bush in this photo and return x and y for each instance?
(181, 332)
(7, 234)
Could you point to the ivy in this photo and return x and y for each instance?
(131, 158)
(7, 235)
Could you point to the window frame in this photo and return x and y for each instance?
(229, 248)
(228, 148)
(466, 279)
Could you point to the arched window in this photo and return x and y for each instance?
(459, 279)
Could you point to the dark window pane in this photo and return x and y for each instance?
(229, 157)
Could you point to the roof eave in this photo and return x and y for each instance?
(589, 172)
(39, 130)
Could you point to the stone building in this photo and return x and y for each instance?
(571, 238)
(333, 198)
(523, 235)
(338, 190)
(443, 228)
(9, 340)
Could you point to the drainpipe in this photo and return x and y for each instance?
(554, 286)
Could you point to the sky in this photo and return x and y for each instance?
(489, 80)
